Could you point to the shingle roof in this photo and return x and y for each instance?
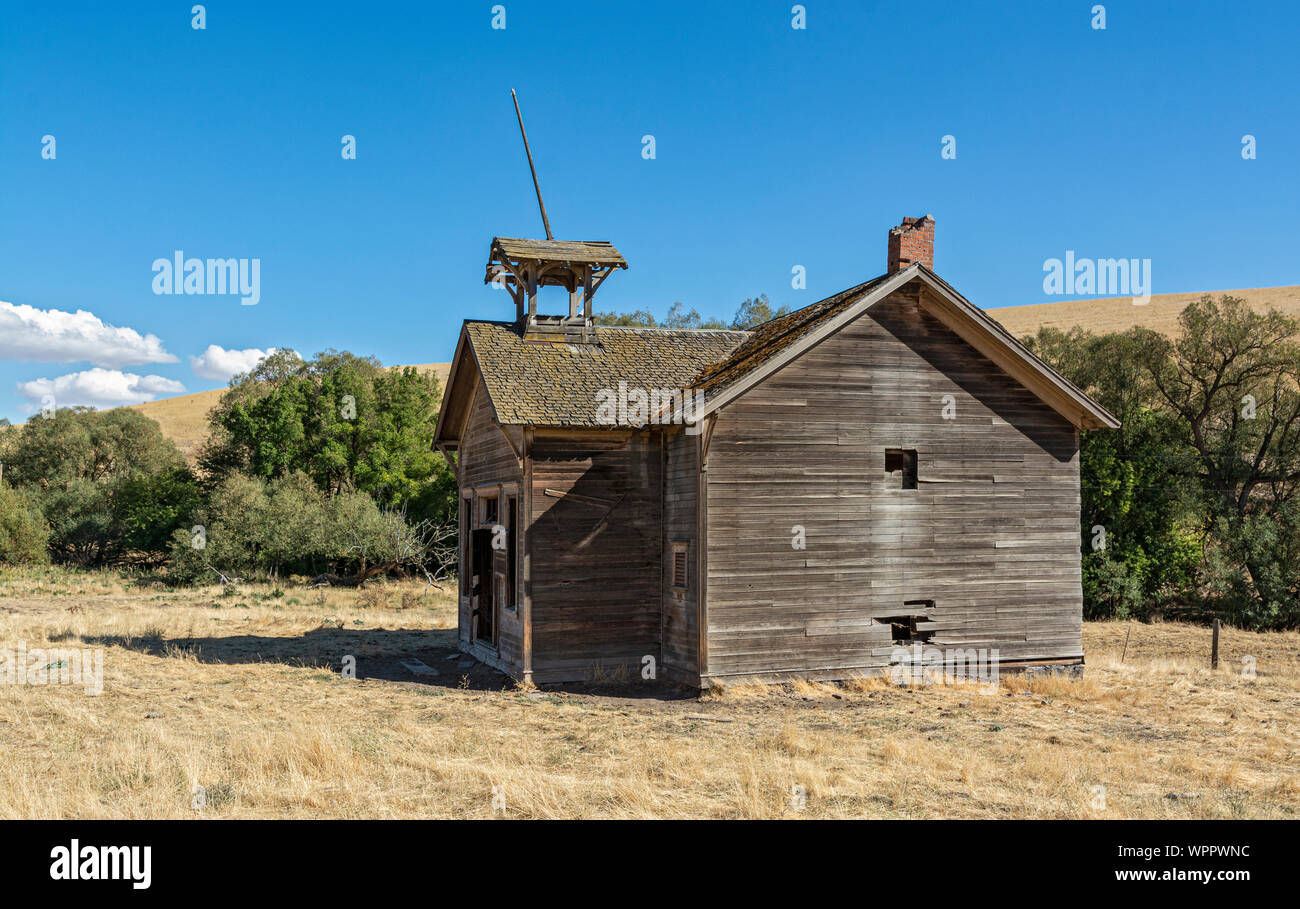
(770, 338)
(555, 384)
(587, 252)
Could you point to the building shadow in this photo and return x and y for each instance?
(951, 356)
(380, 654)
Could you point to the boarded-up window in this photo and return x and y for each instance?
(679, 567)
(900, 464)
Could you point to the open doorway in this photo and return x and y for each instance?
(484, 603)
(483, 593)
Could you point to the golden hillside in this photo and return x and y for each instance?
(1119, 313)
(184, 419)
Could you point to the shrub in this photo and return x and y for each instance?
(24, 534)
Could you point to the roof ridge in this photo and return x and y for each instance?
(729, 331)
(732, 358)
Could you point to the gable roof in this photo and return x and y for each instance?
(766, 341)
(555, 384)
(774, 344)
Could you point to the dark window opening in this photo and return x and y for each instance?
(490, 514)
(902, 462)
(908, 629)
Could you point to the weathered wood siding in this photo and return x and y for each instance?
(991, 534)
(594, 540)
(485, 454)
(487, 458)
(679, 629)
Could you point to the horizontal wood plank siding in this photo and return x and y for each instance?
(991, 534)
(595, 541)
(680, 634)
(485, 453)
(487, 458)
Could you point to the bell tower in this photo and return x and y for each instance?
(579, 266)
(523, 266)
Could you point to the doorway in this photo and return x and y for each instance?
(483, 593)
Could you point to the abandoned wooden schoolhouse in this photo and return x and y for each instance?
(883, 467)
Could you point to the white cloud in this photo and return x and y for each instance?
(55, 336)
(99, 388)
(220, 364)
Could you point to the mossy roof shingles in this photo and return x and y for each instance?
(772, 337)
(556, 384)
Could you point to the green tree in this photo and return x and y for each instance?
(231, 528)
(638, 319)
(342, 419)
(50, 451)
(370, 538)
(1141, 543)
(149, 508)
(87, 472)
(677, 318)
(293, 525)
(24, 533)
(1232, 380)
(755, 311)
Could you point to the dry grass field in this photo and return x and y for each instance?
(1119, 313)
(238, 691)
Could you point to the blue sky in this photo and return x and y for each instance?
(775, 147)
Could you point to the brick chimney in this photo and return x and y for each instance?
(911, 241)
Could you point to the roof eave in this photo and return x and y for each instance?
(447, 393)
(1056, 390)
(970, 323)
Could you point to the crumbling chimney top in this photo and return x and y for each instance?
(911, 241)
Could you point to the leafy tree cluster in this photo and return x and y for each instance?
(101, 487)
(24, 532)
(1197, 496)
(250, 526)
(341, 419)
(752, 312)
(323, 464)
(312, 465)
